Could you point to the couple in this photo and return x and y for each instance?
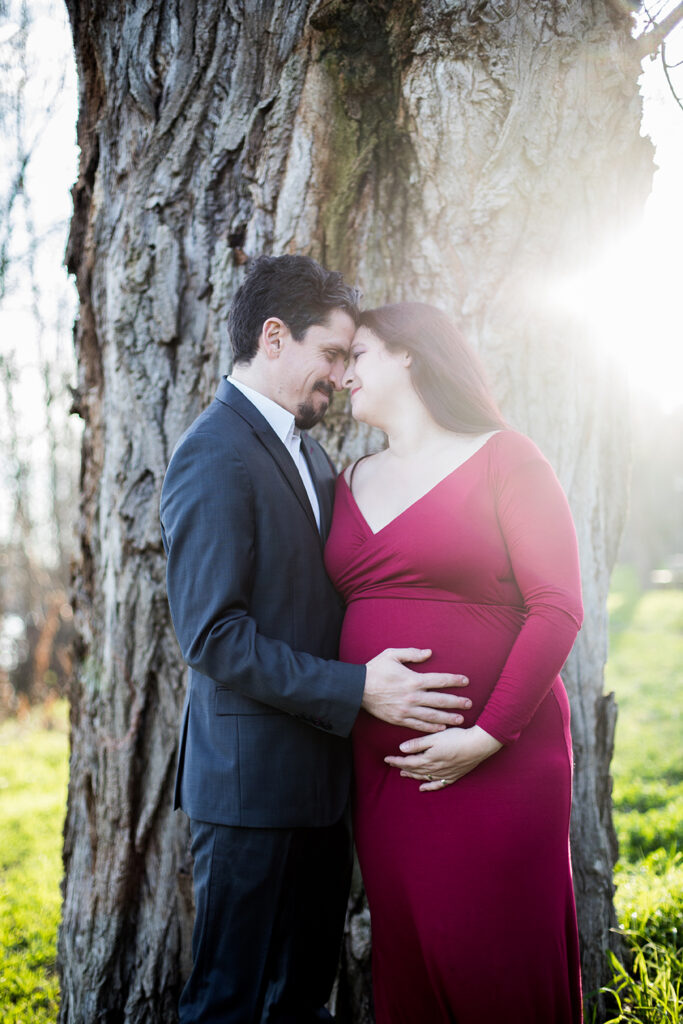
(453, 551)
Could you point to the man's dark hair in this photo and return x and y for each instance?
(294, 288)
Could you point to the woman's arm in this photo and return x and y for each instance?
(539, 534)
(536, 524)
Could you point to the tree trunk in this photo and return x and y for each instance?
(473, 155)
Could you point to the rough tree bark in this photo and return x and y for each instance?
(471, 154)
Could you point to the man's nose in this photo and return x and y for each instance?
(337, 377)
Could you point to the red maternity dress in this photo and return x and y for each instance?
(470, 887)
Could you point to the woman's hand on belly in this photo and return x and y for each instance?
(441, 758)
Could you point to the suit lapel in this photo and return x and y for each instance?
(311, 454)
(231, 396)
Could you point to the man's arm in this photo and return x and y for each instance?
(208, 525)
(208, 521)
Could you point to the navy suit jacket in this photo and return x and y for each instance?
(264, 734)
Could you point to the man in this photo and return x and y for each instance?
(264, 760)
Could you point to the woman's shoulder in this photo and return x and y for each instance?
(511, 449)
(512, 442)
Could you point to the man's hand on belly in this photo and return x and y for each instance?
(399, 696)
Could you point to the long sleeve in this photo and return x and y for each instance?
(536, 523)
(209, 517)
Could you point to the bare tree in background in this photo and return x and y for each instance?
(472, 155)
(38, 457)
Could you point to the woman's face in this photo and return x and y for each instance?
(376, 378)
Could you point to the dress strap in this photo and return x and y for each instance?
(354, 467)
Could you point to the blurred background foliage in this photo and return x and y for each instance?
(39, 449)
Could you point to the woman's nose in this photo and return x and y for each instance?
(347, 380)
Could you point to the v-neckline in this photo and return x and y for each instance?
(430, 490)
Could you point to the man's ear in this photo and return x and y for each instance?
(273, 334)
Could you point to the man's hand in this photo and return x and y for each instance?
(400, 696)
(439, 760)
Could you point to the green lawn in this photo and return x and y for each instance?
(33, 777)
(645, 670)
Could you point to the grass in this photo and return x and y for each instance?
(645, 670)
(649, 992)
(33, 777)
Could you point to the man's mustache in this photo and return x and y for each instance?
(326, 388)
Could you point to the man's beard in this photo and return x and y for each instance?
(307, 415)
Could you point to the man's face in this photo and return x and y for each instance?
(310, 370)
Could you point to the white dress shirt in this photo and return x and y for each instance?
(283, 424)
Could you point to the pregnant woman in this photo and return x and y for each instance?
(458, 538)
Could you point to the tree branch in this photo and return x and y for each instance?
(650, 41)
(666, 67)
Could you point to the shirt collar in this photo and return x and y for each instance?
(281, 420)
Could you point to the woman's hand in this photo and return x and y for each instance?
(441, 758)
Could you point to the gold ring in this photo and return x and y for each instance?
(430, 778)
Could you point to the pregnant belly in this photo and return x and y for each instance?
(467, 639)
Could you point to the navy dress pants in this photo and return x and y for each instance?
(270, 905)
